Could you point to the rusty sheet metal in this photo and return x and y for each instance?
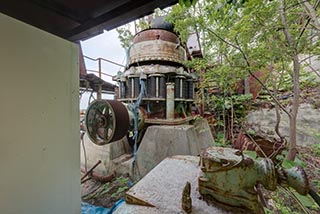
(269, 147)
(155, 34)
(156, 50)
(163, 187)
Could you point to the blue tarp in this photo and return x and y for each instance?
(91, 209)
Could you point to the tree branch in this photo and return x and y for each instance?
(248, 69)
(259, 81)
(313, 69)
(310, 10)
(222, 39)
(309, 19)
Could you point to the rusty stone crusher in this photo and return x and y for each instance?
(151, 117)
(151, 121)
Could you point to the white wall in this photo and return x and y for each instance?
(39, 122)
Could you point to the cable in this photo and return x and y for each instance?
(135, 108)
(84, 152)
(91, 96)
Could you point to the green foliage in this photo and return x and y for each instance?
(289, 164)
(306, 200)
(125, 36)
(122, 180)
(267, 211)
(122, 186)
(127, 32)
(284, 203)
(220, 140)
(241, 36)
(316, 148)
(187, 3)
(239, 103)
(284, 80)
(115, 189)
(287, 200)
(251, 154)
(99, 192)
(119, 191)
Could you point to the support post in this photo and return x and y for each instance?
(170, 101)
(99, 93)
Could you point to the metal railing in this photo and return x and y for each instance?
(100, 72)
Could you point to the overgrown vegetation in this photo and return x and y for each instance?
(240, 39)
(105, 194)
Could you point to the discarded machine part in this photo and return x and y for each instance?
(186, 198)
(109, 120)
(89, 171)
(229, 177)
(263, 145)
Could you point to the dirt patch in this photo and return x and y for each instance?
(105, 194)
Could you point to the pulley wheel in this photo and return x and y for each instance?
(106, 121)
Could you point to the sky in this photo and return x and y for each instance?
(107, 46)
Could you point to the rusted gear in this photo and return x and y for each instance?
(106, 121)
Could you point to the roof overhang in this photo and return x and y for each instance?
(76, 20)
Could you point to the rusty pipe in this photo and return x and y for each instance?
(90, 170)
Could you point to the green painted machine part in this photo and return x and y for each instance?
(229, 177)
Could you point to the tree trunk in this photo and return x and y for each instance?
(296, 88)
(295, 106)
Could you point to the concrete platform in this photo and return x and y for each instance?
(162, 188)
(111, 156)
(164, 141)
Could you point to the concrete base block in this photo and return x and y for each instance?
(110, 155)
(158, 143)
(164, 141)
